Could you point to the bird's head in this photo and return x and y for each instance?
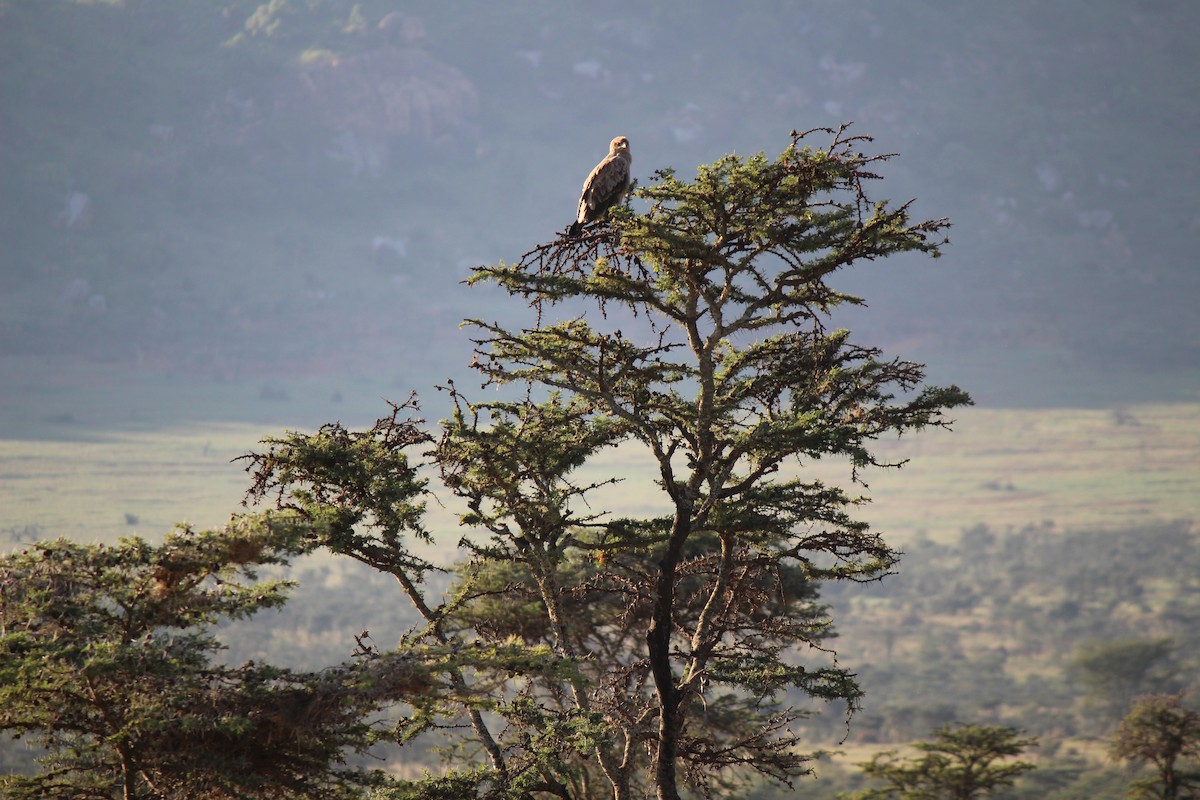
(618, 145)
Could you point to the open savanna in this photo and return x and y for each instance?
(1003, 468)
(1075, 468)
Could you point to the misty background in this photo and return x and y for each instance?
(246, 194)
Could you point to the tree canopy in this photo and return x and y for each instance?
(1160, 730)
(707, 344)
(107, 662)
(961, 763)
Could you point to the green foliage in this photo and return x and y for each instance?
(1087, 785)
(463, 783)
(106, 662)
(361, 490)
(961, 763)
(356, 487)
(1163, 732)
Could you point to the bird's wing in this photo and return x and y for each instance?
(604, 187)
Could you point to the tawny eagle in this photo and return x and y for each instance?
(606, 186)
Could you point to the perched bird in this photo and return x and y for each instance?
(606, 186)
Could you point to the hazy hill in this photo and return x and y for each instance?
(243, 188)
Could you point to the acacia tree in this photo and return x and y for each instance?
(730, 373)
(961, 763)
(588, 655)
(106, 662)
(1160, 730)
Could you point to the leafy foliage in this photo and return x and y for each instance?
(672, 638)
(1161, 731)
(105, 661)
(961, 763)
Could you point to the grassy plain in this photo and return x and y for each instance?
(94, 452)
(92, 464)
(1077, 468)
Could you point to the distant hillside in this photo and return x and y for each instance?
(240, 188)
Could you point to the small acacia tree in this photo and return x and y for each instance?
(106, 663)
(961, 763)
(662, 649)
(1161, 731)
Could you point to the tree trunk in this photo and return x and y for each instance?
(658, 645)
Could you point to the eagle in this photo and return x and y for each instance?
(606, 185)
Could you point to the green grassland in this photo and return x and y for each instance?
(1076, 468)
(98, 451)
(112, 467)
